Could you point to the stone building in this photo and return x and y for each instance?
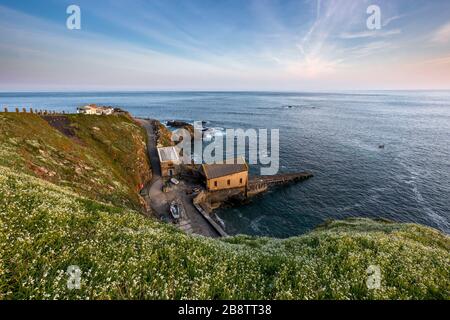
(226, 176)
(169, 160)
(96, 110)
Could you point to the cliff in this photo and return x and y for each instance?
(103, 157)
(66, 214)
(164, 135)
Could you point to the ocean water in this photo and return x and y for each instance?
(334, 135)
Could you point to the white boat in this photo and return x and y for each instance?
(175, 210)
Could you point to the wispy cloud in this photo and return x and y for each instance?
(55, 55)
(370, 34)
(387, 21)
(373, 48)
(442, 34)
(438, 61)
(251, 45)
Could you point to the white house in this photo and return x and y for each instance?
(94, 109)
(169, 161)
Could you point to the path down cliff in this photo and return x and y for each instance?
(159, 201)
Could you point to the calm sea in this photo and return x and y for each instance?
(334, 135)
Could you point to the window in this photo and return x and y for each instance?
(228, 182)
(215, 183)
(240, 181)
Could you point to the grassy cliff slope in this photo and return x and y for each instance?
(122, 255)
(68, 197)
(102, 157)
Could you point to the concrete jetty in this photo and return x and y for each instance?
(261, 184)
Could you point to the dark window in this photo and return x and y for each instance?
(215, 183)
(240, 181)
(228, 181)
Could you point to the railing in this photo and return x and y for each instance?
(32, 111)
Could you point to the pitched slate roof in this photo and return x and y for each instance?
(220, 170)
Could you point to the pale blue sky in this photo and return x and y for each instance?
(224, 45)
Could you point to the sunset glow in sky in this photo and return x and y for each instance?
(224, 45)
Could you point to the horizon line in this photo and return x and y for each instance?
(222, 91)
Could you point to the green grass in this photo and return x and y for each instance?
(105, 159)
(71, 200)
(122, 255)
(164, 135)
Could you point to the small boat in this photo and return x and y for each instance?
(175, 210)
(381, 146)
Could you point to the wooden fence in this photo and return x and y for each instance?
(32, 111)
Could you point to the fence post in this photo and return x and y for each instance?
(31, 110)
(17, 110)
(24, 110)
(6, 109)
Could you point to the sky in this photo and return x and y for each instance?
(242, 45)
